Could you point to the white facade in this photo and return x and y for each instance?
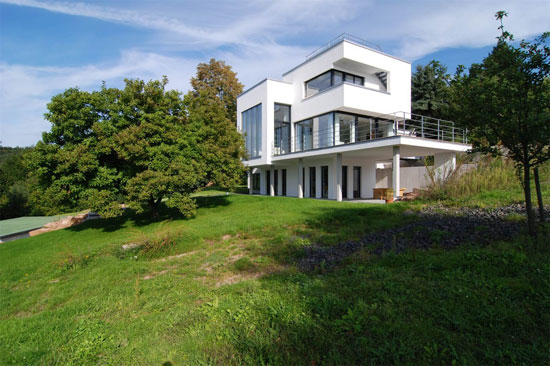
(344, 103)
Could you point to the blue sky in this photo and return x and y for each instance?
(48, 46)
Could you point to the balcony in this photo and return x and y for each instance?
(347, 129)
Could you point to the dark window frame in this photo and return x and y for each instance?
(312, 182)
(324, 181)
(345, 75)
(288, 125)
(251, 157)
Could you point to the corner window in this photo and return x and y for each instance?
(329, 79)
(282, 128)
(252, 128)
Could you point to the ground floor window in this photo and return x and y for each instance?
(312, 181)
(356, 182)
(256, 183)
(283, 171)
(268, 182)
(276, 182)
(344, 181)
(324, 181)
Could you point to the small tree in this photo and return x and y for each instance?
(430, 90)
(505, 102)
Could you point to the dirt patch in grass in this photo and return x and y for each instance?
(177, 256)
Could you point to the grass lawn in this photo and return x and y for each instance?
(223, 288)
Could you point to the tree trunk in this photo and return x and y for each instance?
(528, 205)
(539, 194)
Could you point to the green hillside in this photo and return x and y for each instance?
(225, 288)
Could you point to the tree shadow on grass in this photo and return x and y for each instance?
(164, 213)
(417, 307)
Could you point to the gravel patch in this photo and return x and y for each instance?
(436, 226)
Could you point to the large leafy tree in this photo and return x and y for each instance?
(505, 102)
(218, 80)
(14, 187)
(430, 90)
(137, 146)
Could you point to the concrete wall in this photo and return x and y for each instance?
(411, 177)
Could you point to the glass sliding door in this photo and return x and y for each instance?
(276, 182)
(256, 183)
(324, 125)
(356, 182)
(283, 178)
(365, 129)
(268, 182)
(345, 128)
(304, 135)
(282, 129)
(344, 182)
(324, 181)
(312, 181)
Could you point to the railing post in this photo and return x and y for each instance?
(438, 129)
(405, 127)
(453, 136)
(422, 125)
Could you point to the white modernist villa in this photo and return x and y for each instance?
(324, 128)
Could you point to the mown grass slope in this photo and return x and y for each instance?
(223, 288)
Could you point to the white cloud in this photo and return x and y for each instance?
(418, 28)
(258, 38)
(26, 90)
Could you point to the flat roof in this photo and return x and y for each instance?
(338, 43)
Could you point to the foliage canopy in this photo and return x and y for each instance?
(505, 102)
(137, 145)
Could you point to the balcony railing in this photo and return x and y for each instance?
(397, 124)
(340, 38)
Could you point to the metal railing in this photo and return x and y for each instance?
(340, 38)
(372, 128)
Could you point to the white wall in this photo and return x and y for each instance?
(344, 56)
(267, 93)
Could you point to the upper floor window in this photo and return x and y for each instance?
(282, 128)
(329, 79)
(252, 128)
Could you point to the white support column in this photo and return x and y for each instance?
(396, 167)
(444, 165)
(338, 174)
(250, 180)
(300, 178)
(272, 182)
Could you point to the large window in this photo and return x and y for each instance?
(325, 125)
(329, 79)
(282, 128)
(304, 135)
(338, 128)
(324, 182)
(252, 128)
(312, 182)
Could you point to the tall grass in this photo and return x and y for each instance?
(487, 173)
